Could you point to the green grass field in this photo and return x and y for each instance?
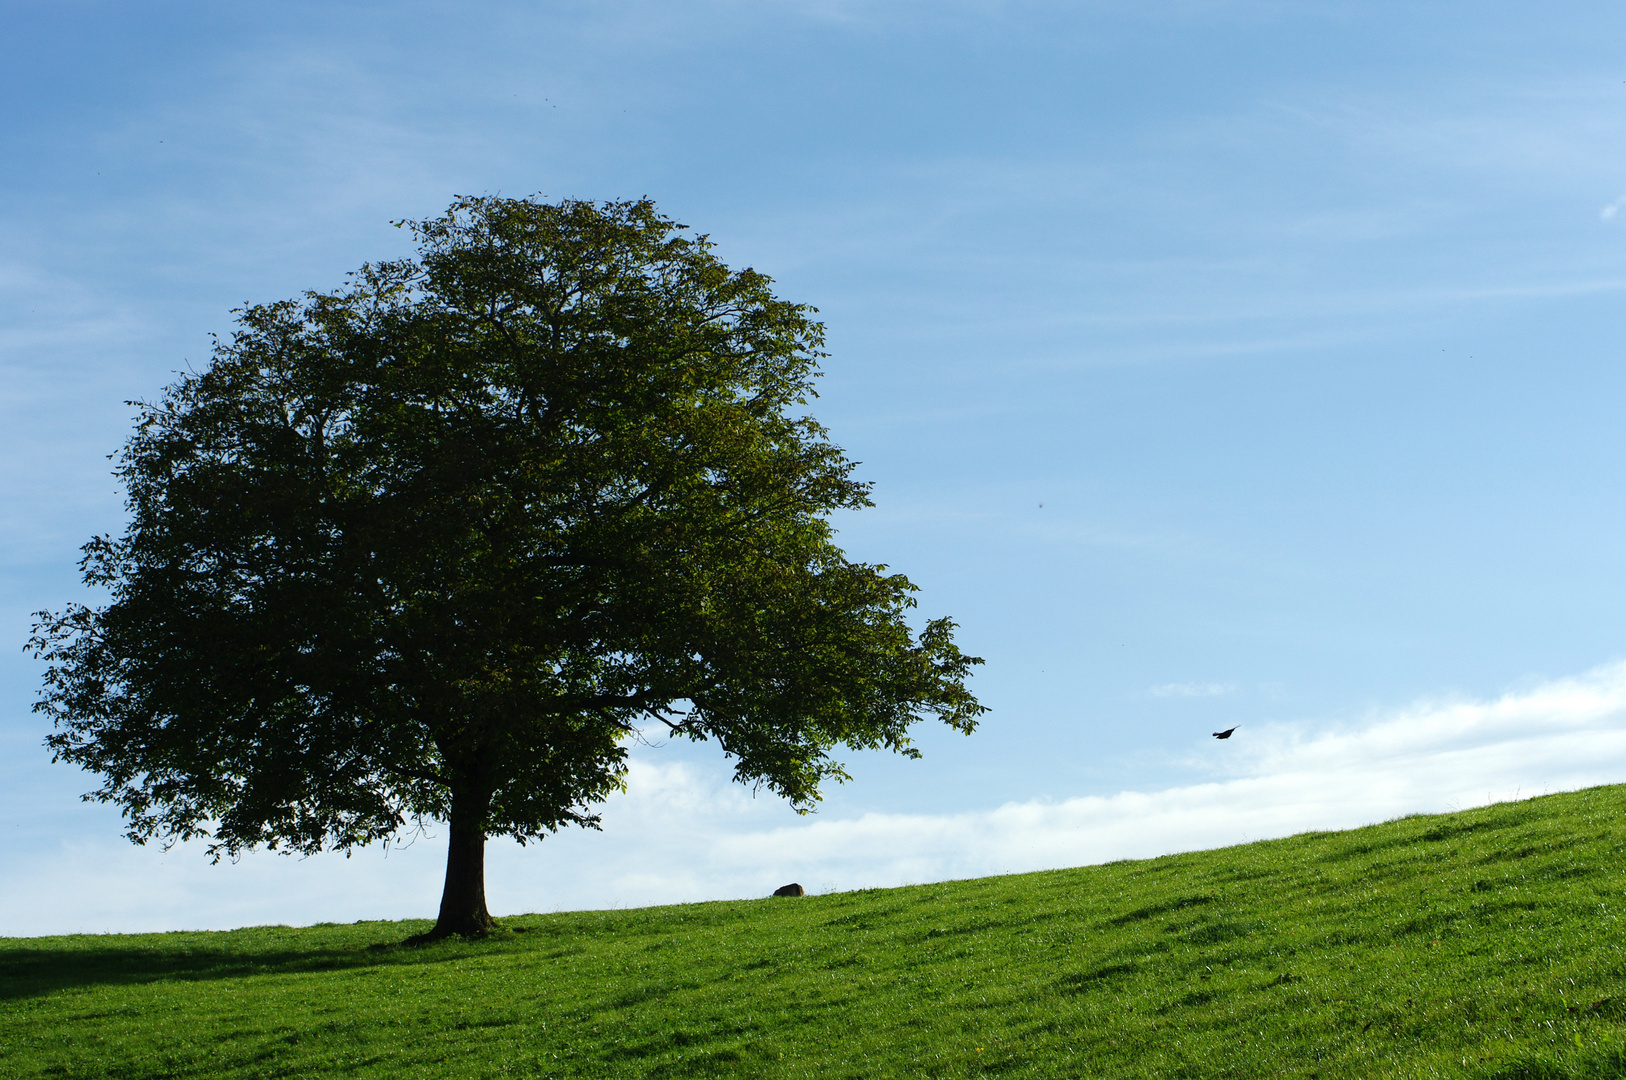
(1486, 944)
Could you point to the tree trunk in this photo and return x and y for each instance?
(463, 901)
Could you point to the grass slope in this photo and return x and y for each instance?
(1485, 944)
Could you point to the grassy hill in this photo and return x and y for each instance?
(1486, 944)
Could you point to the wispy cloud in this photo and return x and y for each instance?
(682, 832)
(1613, 208)
(1191, 690)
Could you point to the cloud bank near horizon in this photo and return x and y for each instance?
(682, 832)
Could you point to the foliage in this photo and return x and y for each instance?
(441, 543)
(1480, 944)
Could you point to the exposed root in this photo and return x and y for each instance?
(440, 933)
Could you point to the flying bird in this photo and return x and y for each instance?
(1226, 734)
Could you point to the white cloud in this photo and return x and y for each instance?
(682, 832)
(1612, 209)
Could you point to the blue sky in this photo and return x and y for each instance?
(1215, 363)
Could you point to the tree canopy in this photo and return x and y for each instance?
(441, 543)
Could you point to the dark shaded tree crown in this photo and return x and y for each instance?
(440, 543)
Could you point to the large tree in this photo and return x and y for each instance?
(438, 545)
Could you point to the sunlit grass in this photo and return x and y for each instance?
(1485, 943)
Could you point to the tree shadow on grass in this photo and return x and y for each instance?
(1596, 1064)
(37, 967)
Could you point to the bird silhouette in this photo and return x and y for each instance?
(1226, 734)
